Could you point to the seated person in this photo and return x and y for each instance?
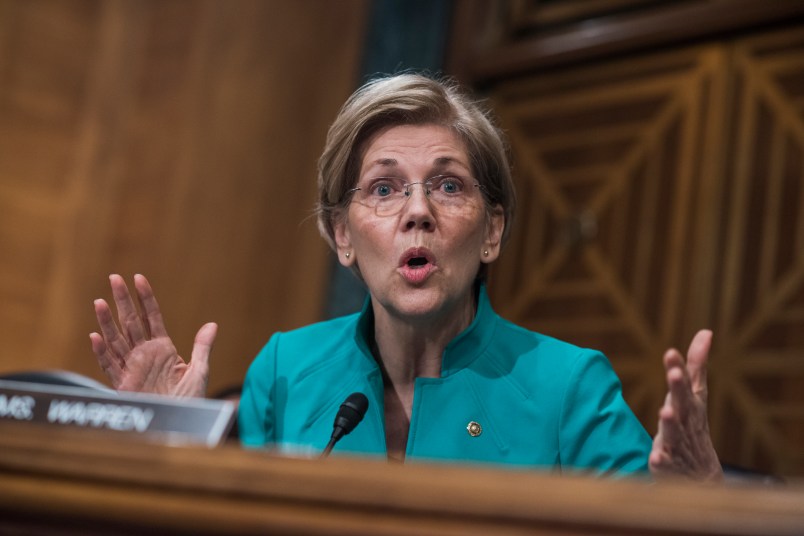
(416, 198)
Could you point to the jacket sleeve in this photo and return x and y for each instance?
(256, 413)
(598, 432)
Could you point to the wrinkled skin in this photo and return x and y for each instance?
(683, 445)
(138, 355)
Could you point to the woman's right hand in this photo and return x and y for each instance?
(139, 355)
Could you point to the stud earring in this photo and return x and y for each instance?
(348, 254)
(486, 252)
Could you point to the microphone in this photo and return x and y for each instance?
(349, 415)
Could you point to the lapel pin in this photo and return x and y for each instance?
(474, 428)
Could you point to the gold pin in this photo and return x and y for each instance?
(474, 428)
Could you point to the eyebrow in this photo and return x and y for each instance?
(440, 162)
(385, 162)
(444, 161)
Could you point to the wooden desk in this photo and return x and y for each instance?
(77, 482)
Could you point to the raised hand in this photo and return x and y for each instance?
(683, 446)
(139, 355)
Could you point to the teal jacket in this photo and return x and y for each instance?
(539, 402)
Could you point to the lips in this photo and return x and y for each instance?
(416, 256)
(416, 264)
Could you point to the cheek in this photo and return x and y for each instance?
(468, 231)
(370, 236)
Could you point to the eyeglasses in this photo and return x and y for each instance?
(387, 195)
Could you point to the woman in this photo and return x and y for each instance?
(415, 196)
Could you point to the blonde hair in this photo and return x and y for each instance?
(410, 99)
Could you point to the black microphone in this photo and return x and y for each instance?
(349, 415)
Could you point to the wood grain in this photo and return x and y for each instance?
(173, 138)
(662, 194)
(70, 482)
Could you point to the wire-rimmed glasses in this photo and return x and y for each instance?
(387, 195)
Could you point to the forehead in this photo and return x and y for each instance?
(404, 146)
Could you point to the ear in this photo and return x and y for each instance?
(343, 241)
(495, 225)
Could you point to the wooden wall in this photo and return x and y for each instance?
(659, 156)
(175, 138)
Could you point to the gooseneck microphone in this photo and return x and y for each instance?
(349, 415)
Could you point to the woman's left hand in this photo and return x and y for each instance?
(683, 446)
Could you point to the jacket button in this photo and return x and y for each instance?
(474, 428)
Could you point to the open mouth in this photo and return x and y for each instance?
(417, 262)
(417, 265)
(416, 258)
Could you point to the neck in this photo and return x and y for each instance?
(409, 348)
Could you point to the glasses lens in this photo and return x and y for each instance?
(387, 196)
(450, 190)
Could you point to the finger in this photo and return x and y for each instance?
(672, 358)
(199, 359)
(697, 359)
(152, 315)
(663, 454)
(111, 334)
(677, 402)
(144, 322)
(109, 363)
(202, 346)
(130, 322)
(659, 461)
(678, 385)
(668, 424)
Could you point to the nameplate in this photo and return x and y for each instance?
(152, 417)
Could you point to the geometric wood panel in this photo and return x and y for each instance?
(759, 396)
(660, 195)
(609, 164)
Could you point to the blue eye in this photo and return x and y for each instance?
(451, 185)
(383, 190)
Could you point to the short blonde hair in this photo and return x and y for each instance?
(410, 99)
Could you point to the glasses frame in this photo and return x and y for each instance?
(426, 186)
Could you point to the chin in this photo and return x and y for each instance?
(419, 303)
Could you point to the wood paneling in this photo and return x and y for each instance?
(65, 482)
(610, 168)
(499, 39)
(174, 138)
(759, 315)
(533, 15)
(659, 195)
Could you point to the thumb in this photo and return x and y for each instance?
(202, 346)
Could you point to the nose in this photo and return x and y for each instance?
(425, 187)
(418, 211)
